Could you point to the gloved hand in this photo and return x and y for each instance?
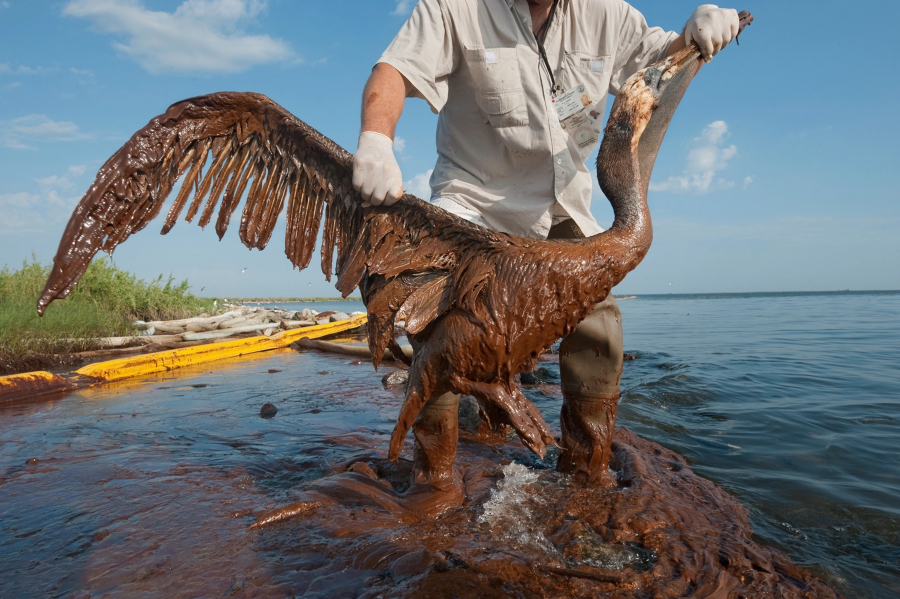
(376, 174)
(712, 28)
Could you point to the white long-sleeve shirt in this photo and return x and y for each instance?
(502, 151)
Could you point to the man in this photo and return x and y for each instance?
(511, 156)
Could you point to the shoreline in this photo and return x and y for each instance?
(292, 300)
(238, 321)
(623, 296)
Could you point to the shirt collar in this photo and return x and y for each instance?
(561, 10)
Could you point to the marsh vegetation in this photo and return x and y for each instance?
(105, 303)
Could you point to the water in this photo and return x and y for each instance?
(509, 509)
(789, 401)
(792, 403)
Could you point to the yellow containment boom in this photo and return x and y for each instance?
(33, 384)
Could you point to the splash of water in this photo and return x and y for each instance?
(510, 515)
(509, 511)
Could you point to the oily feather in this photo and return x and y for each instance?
(228, 146)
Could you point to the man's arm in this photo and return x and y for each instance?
(711, 27)
(376, 174)
(383, 98)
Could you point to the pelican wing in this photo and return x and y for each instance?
(227, 146)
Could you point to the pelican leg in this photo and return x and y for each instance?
(436, 431)
(418, 391)
(523, 416)
(435, 485)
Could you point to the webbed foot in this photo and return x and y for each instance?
(358, 495)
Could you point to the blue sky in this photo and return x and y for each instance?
(779, 172)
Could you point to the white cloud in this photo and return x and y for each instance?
(24, 70)
(419, 185)
(747, 182)
(13, 85)
(4, 4)
(707, 157)
(37, 127)
(403, 7)
(54, 182)
(22, 214)
(399, 144)
(200, 36)
(25, 213)
(83, 76)
(13, 143)
(19, 200)
(6, 69)
(51, 185)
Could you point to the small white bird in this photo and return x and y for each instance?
(245, 270)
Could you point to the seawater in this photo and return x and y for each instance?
(789, 401)
(792, 403)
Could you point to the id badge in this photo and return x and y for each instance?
(572, 109)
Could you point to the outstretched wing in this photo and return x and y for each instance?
(402, 257)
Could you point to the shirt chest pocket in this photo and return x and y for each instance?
(497, 85)
(592, 71)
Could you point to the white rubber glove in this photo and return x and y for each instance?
(376, 174)
(712, 28)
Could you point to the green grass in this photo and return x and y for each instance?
(103, 304)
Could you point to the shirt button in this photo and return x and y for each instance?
(554, 125)
(559, 161)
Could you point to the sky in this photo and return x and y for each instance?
(779, 171)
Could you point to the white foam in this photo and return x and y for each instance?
(510, 514)
(509, 510)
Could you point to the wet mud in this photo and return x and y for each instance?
(149, 488)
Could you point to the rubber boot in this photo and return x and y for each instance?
(590, 366)
(587, 428)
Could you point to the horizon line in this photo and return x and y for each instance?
(269, 300)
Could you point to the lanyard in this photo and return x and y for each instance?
(539, 38)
